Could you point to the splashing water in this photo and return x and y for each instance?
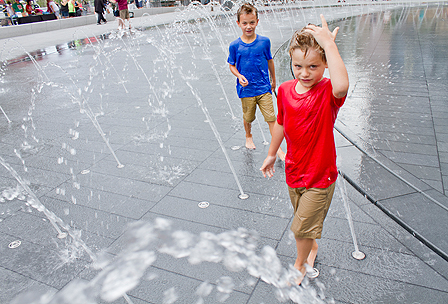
(236, 250)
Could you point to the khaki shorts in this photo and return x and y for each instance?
(264, 103)
(310, 209)
(124, 14)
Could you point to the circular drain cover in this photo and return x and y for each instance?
(14, 244)
(203, 205)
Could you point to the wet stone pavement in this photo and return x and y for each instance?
(146, 101)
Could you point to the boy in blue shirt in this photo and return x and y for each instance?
(250, 60)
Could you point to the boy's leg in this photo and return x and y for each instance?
(280, 152)
(313, 253)
(120, 23)
(249, 106)
(267, 109)
(249, 140)
(310, 209)
(123, 16)
(304, 247)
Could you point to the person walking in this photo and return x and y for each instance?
(124, 13)
(307, 109)
(100, 6)
(250, 60)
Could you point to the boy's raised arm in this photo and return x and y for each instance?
(336, 67)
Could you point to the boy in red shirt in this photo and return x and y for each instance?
(307, 110)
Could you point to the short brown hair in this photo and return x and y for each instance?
(247, 8)
(305, 41)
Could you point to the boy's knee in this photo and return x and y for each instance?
(249, 120)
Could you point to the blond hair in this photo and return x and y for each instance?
(305, 41)
(247, 8)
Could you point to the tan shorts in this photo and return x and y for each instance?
(124, 14)
(265, 104)
(310, 209)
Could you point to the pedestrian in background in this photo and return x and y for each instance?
(64, 9)
(52, 8)
(124, 13)
(100, 6)
(71, 8)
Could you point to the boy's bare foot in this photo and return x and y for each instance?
(281, 154)
(302, 271)
(250, 143)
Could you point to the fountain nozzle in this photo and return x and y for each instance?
(358, 255)
(62, 235)
(243, 196)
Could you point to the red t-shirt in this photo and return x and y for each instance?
(308, 121)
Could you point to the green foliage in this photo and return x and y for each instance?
(42, 3)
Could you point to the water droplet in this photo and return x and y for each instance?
(225, 287)
(151, 276)
(204, 289)
(170, 296)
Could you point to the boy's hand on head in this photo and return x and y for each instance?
(323, 35)
(243, 81)
(268, 166)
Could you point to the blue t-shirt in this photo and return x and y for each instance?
(251, 60)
